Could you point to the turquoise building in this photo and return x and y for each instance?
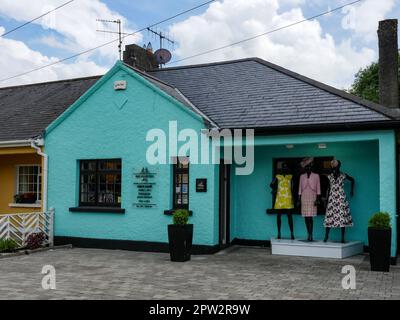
(99, 143)
(106, 193)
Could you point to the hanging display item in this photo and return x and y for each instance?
(338, 210)
(282, 190)
(309, 193)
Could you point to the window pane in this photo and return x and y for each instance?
(88, 165)
(29, 182)
(101, 183)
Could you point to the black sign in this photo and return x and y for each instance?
(201, 185)
(145, 188)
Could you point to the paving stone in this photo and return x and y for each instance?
(237, 273)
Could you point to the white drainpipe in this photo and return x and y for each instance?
(36, 144)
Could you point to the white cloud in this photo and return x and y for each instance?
(17, 57)
(303, 48)
(73, 29)
(363, 18)
(75, 23)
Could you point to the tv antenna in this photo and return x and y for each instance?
(163, 56)
(119, 32)
(162, 37)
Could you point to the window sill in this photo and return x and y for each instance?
(24, 205)
(172, 211)
(97, 210)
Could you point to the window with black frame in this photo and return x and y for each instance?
(181, 183)
(100, 183)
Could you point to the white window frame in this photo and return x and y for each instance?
(39, 176)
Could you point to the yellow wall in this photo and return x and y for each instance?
(8, 162)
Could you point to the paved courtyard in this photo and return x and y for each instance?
(237, 273)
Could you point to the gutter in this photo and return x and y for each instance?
(37, 144)
(15, 143)
(323, 128)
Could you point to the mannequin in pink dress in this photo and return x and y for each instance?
(309, 195)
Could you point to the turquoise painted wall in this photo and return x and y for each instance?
(368, 157)
(99, 129)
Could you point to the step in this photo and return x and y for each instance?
(318, 249)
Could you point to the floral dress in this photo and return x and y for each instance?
(338, 209)
(284, 197)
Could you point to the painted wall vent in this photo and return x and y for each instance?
(120, 85)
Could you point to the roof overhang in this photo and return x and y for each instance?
(323, 128)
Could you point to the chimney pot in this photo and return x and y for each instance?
(388, 63)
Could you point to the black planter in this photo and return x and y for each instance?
(379, 248)
(180, 242)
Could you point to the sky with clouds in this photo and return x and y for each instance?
(330, 49)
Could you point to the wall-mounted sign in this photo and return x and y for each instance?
(201, 185)
(120, 85)
(145, 184)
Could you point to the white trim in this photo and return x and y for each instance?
(35, 144)
(24, 205)
(15, 143)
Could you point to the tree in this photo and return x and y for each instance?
(366, 83)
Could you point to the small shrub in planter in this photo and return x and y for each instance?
(8, 245)
(180, 236)
(380, 239)
(35, 241)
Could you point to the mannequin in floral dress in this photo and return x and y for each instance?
(282, 189)
(338, 209)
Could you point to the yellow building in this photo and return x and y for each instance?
(20, 178)
(25, 112)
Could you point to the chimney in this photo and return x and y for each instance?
(388, 64)
(140, 58)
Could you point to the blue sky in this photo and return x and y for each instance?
(330, 49)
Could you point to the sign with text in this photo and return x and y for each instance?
(145, 185)
(201, 185)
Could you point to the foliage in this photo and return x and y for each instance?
(8, 245)
(35, 240)
(25, 198)
(366, 83)
(181, 217)
(380, 220)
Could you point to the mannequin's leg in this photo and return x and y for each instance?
(279, 224)
(311, 228)
(307, 221)
(327, 234)
(343, 234)
(290, 221)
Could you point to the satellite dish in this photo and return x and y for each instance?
(163, 56)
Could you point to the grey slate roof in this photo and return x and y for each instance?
(25, 111)
(257, 94)
(249, 93)
(174, 93)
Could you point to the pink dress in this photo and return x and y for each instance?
(309, 188)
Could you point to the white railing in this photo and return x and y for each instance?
(19, 226)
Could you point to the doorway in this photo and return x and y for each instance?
(224, 204)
